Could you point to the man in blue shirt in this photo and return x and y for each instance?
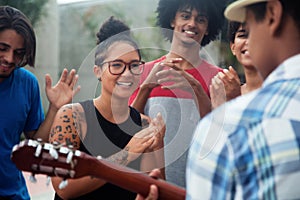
(249, 148)
(21, 107)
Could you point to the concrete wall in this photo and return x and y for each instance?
(47, 33)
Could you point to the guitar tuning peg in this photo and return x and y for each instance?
(69, 157)
(53, 153)
(55, 144)
(38, 150)
(48, 180)
(32, 178)
(99, 157)
(63, 184)
(40, 140)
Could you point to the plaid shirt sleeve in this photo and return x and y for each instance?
(210, 167)
(249, 148)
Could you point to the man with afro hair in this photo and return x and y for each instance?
(176, 84)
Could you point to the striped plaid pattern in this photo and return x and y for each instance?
(249, 148)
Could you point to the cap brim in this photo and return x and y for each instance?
(237, 10)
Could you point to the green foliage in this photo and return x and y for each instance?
(33, 9)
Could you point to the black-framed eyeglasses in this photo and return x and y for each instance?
(117, 67)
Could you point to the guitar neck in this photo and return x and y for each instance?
(133, 180)
(65, 163)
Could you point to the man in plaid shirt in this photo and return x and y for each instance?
(249, 148)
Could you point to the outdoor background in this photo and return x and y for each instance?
(66, 34)
(66, 37)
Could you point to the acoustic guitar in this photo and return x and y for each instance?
(53, 160)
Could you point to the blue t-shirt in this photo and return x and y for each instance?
(21, 110)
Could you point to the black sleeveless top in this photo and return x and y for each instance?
(105, 139)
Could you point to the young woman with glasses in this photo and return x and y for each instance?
(106, 125)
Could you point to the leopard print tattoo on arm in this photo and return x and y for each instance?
(67, 133)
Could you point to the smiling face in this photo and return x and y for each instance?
(11, 52)
(123, 85)
(189, 26)
(239, 47)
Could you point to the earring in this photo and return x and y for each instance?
(99, 79)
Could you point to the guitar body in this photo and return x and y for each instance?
(45, 158)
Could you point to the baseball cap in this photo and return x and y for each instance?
(236, 11)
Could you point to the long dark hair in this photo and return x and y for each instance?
(233, 27)
(11, 18)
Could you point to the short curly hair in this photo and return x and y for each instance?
(213, 9)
